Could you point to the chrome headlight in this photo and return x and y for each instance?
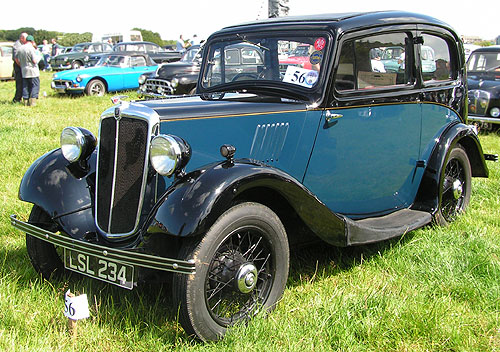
(174, 82)
(77, 143)
(169, 154)
(495, 112)
(142, 79)
(78, 78)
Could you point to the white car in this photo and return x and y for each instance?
(6, 62)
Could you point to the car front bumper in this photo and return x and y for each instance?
(61, 86)
(130, 257)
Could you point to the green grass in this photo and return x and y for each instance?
(434, 289)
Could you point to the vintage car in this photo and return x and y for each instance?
(299, 56)
(114, 72)
(6, 62)
(156, 52)
(215, 187)
(173, 77)
(483, 69)
(78, 56)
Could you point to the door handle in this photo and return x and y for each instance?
(331, 118)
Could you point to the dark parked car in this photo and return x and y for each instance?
(483, 69)
(78, 56)
(174, 77)
(215, 187)
(156, 52)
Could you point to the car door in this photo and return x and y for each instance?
(138, 66)
(366, 155)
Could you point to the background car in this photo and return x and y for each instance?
(6, 62)
(483, 70)
(114, 72)
(156, 52)
(174, 77)
(78, 56)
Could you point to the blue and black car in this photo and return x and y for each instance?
(217, 186)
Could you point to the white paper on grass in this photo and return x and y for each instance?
(76, 307)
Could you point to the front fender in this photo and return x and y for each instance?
(52, 184)
(428, 194)
(191, 206)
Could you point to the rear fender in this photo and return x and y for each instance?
(428, 194)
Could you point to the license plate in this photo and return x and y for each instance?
(99, 268)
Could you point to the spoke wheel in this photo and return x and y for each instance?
(455, 186)
(241, 269)
(44, 256)
(239, 277)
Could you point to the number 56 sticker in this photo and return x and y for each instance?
(300, 76)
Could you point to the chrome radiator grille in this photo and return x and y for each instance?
(479, 101)
(121, 174)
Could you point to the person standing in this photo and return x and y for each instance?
(55, 48)
(46, 50)
(17, 69)
(28, 57)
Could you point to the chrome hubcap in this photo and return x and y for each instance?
(457, 189)
(246, 278)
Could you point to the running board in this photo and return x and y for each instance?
(384, 227)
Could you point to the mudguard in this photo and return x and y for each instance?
(427, 198)
(61, 191)
(194, 203)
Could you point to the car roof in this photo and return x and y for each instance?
(342, 21)
(127, 43)
(486, 49)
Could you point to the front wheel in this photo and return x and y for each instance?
(96, 87)
(75, 65)
(241, 268)
(454, 186)
(44, 257)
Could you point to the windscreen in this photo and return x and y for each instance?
(291, 59)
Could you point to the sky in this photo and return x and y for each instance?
(203, 17)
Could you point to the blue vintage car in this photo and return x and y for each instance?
(113, 72)
(215, 187)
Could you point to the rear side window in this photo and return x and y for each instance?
(373, 62)
(435, 59)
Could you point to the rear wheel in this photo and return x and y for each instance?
(455, 186)
(96, 87)
(241, 268)
(44, 257)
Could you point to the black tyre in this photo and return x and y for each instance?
(75, 65)
(43, 255)
(96, 87)
(454, 187)
(241, 269)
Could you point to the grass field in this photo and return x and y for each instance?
(435, 289)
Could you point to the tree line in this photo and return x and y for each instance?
(70, 39)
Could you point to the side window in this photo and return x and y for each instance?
(435, 59)
(373, 62)
(232, 57)
(137, 61)
(151, 48)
